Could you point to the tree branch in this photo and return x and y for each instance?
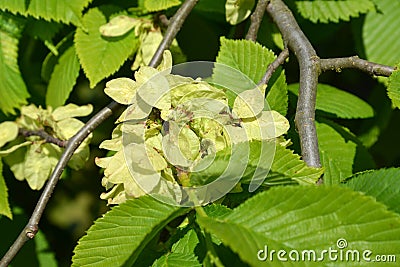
(296, 41)
(73, 143)
(373, 69)
(45, 136)
(256, 19)
(283, 55)
(175, 24)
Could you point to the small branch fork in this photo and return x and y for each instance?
(310, 65)
(73, 143)
(44, 135)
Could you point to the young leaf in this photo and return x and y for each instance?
(8, 132)
(4, 206)
(383, 184)
(158, 5)
(120, 236)
(67, 11)
(393, 89)
(303, 219)
(387, 17)
(63, 78)
(100, 57)
(338, 102)
(337, 154)
(13, 92)
(238, 10)
(39, 163)
(118, 26)
(333, 11)
(70, 111)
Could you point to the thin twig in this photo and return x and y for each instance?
(175, 24)
(44, 135)
(31, 228)
(373, 69)
(256, 19)
(283, 55)
(296, 41)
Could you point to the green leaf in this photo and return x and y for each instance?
(337, 154)
(338, 102)
(238, 10)
(177, 260)
(120, 236)
(13, 92)
(277, 93)
(99, 56)
(383, 184)
(303, 219)
(387, 17)
(63, 78)
(4, 206)
(288, 165)
(8, 132)
(250, 58)
(333, 10)
(242, 64)
(187, 244)
(67, 11)
(158, 5)
(393, 89)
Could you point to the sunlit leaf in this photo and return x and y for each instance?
(13, 92)
(158, 5)
(4, 205)
(393, 89)
(249, 103)
(100, 57)
(268, 125)
(70, 111)
(387, 16)
(122, 90)
(63, 78)
(67, 11)
(332, 11)
(383, 184)
(288, 165)
(121, 235)
(8, 132)
(306, 218)
(13, 148)
(238, 10)
(118, 26)
(40, 161)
